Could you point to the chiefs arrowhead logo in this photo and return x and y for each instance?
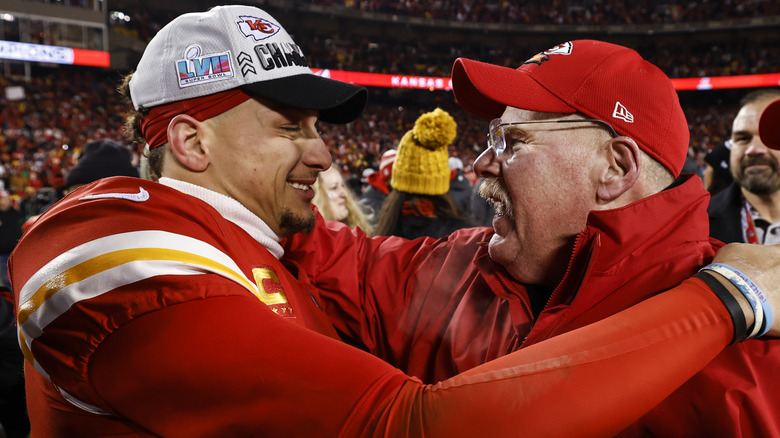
(560, 49)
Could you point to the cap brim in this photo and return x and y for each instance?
(769, 126)
(337, 102)
(486, 90)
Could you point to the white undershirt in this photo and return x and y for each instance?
(233, 211)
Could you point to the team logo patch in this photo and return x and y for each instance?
(257, 28)
(196, 69)
(271, 292)
(560, 49)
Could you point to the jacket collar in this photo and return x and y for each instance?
(621, 241)
(642, 234)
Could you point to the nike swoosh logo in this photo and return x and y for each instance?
(141, 196)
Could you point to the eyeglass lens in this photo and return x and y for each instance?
(496, 136)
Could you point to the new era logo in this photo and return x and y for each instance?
(622, 113)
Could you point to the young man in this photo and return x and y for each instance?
(162, 308)
(584, 152)
(748, 210)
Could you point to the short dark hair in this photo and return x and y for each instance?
(759, 94)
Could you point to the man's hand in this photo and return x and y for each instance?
(762, 264)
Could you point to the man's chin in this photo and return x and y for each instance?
(291, 223)
(499, 251)
(761, 184)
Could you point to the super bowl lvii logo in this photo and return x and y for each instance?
(196, 69)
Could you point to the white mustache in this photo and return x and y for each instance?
(494, 190)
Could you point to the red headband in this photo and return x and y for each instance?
(154, 126)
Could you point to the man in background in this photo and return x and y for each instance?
(100, 159)
(748, 210)
(379, 185)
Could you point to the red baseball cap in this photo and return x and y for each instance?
(601, 80)
(769, 126)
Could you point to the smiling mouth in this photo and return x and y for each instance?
(299, 186)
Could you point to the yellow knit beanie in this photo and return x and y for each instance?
(421, 165)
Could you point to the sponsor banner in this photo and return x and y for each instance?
(434, 83)
(53, 54)
(93, 58)
(721, 82)
(387, 80)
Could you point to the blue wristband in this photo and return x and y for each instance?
(761, 306)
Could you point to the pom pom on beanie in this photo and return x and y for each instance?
(421, 165)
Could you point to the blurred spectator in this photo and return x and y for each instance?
(460, 187)
(10, 231)
(419, 203)
(13, 411)
(379, 185)
(482, 210)
(354, 184)
(100, 159)
(337, 203)
(717, 175)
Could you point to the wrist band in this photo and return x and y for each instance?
(731, 303)
(761, 306)
(753, 294)
(745, 289)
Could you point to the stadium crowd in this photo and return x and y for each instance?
(751, 53)
(565, 12)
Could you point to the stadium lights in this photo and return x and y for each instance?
(119, 16)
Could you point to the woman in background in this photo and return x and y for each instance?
(337, 203)
(419, 203)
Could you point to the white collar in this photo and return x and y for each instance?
(233, 211)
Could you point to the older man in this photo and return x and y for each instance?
(585, 148)
(748, 210)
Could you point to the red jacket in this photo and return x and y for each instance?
(445, 306)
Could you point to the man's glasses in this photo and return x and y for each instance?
(497, 141)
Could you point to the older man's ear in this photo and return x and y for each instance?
(621, 169)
